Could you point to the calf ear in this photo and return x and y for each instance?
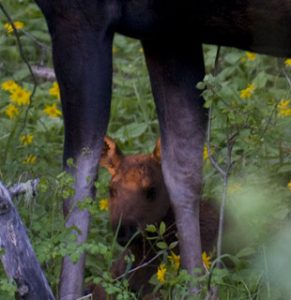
(157, 151)
(111, 156)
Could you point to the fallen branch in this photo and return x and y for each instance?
(19, 261)
(44, 73)
(28, 187)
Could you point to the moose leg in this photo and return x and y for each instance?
(175, 68)
(83, 65)
(86, 110)
(86, 92)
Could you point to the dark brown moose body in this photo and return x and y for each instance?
(172, 33)
(138, 197)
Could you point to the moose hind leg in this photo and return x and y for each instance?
(175, 68)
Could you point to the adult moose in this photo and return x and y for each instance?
(171, 32)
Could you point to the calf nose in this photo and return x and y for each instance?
(125, 233)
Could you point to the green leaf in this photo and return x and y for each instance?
(261, 80)
(162, 245)
(245, 252)
(162, 228)
(286, 168)
(151, 228)
(21, 74)
(130, 131)
(173, 245)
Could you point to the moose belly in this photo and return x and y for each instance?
(261, 26)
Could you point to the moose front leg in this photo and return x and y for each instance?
(86, 91)
(175, 67)
(82, 56)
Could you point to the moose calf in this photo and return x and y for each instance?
(138, 196)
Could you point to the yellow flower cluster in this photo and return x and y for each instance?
(26, 139)
(284, 109)
(18, 96)
(52, 110)
(161, 273)
(206, 152)
(251, 56)
(175, 260)
(162, 269)
(104, 204)
(287, 62)
(55, 90)
(18, 25)
(289, 185)
(9, 86)
(247, 92)
(206, 259)
(11, 111)
(30, 159)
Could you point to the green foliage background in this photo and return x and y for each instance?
(259, 140)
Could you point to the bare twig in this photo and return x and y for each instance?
(210, 155)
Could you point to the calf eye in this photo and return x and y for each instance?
(151, 193)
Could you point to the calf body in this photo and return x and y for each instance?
(138, 197)
(172, 33)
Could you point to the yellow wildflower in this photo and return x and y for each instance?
(20, 96)
(175, 260)
(283, 104)
(289, 185)
(161, 273)
(251, 56)
(55, 90)
(287, 62)
(30, 159)
(206, 259)
(205, 153)
(104, 204)
(9, 86)
(11, 111)
(247, 92)
(17, 24)
(52, 111)
(283, 108)
(26, 139)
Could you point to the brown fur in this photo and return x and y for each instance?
(138, 196)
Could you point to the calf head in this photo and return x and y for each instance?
(138, 195)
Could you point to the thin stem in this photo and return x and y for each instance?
(224, 172)
(145, 264)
